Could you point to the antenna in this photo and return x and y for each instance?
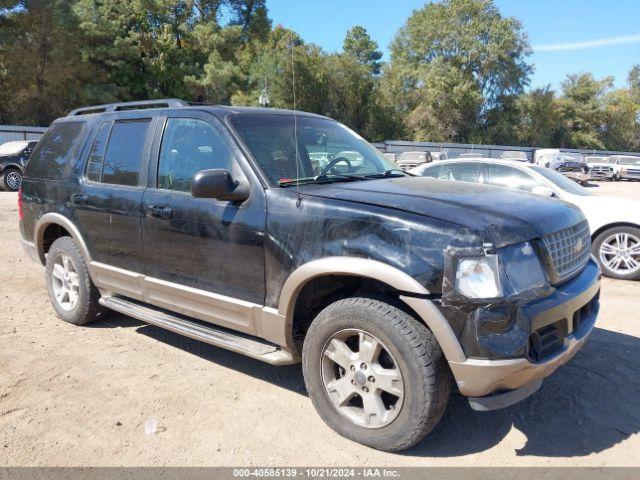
(295, 123)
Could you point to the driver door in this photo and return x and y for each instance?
(198, 247)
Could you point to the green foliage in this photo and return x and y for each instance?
(458, 71)
(359, 44)
(454, 62)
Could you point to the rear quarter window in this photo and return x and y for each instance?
(55, 151)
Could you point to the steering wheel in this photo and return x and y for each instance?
(329, 166)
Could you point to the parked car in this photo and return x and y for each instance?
(571, 165)
(627, 167)
(614, 222)
(391, 157)
(601, 168)
(515, 155)
(210, 221)
(407, 160)
(436, 156)
(13, 159)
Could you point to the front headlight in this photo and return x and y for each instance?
(485, 273)
(478, 277)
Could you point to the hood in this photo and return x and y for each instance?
(500, 216)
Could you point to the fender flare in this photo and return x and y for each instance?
(58, 219)
(367, 268)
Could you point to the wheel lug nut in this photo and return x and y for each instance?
(363, 366)
(371, 378)
(353, 369)
(353, 382)
(365, 389)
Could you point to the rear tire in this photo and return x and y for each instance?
(609, 248)
(409, 360)
(10, 179)
(72, 293)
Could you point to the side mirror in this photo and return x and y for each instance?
(542, 190)
(217, 183)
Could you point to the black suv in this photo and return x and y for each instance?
(13, 160)
(285, 236)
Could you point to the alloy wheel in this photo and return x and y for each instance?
(66, 285)
(361, 378)
(13, 180)
(620, 253)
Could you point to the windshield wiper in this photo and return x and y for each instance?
(324, 178)
(344, 177)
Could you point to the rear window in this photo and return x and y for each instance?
(54, 152)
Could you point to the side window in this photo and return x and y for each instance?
(188, 146)
(122, 159)
(463, 172)
(96, 155)
(53, 153)
(509, 177)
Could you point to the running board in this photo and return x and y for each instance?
(239, 343)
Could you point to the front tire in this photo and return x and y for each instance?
(72, 293)
(618, 252)
(10, 179)
(374, 373)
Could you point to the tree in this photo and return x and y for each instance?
(41, 72)
(582, 111)
(359, 44)
(539, 118)
(143, 46)
(481, 54)
(621, 129)
(252, 16)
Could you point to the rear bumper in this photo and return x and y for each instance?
(575, 304)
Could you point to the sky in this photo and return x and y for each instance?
(568, 36)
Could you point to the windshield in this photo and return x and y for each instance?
(570, 157)
(629, 160)
(561, 181)
(326, 149)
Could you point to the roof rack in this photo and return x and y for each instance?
(117, 107)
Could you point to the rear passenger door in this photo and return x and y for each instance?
(108, 203)
(205, 244)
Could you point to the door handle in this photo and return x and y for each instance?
(79, 199)
(160, 212)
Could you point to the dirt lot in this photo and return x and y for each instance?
(81, 395)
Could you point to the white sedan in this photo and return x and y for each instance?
(614, 222)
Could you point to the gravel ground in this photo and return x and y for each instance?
(81, 396)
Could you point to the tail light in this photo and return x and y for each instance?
(20, 212)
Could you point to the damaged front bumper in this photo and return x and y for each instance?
(559, 323)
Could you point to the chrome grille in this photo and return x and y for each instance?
(601, 169)
(569, 249)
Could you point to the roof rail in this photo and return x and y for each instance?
(117, 107)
